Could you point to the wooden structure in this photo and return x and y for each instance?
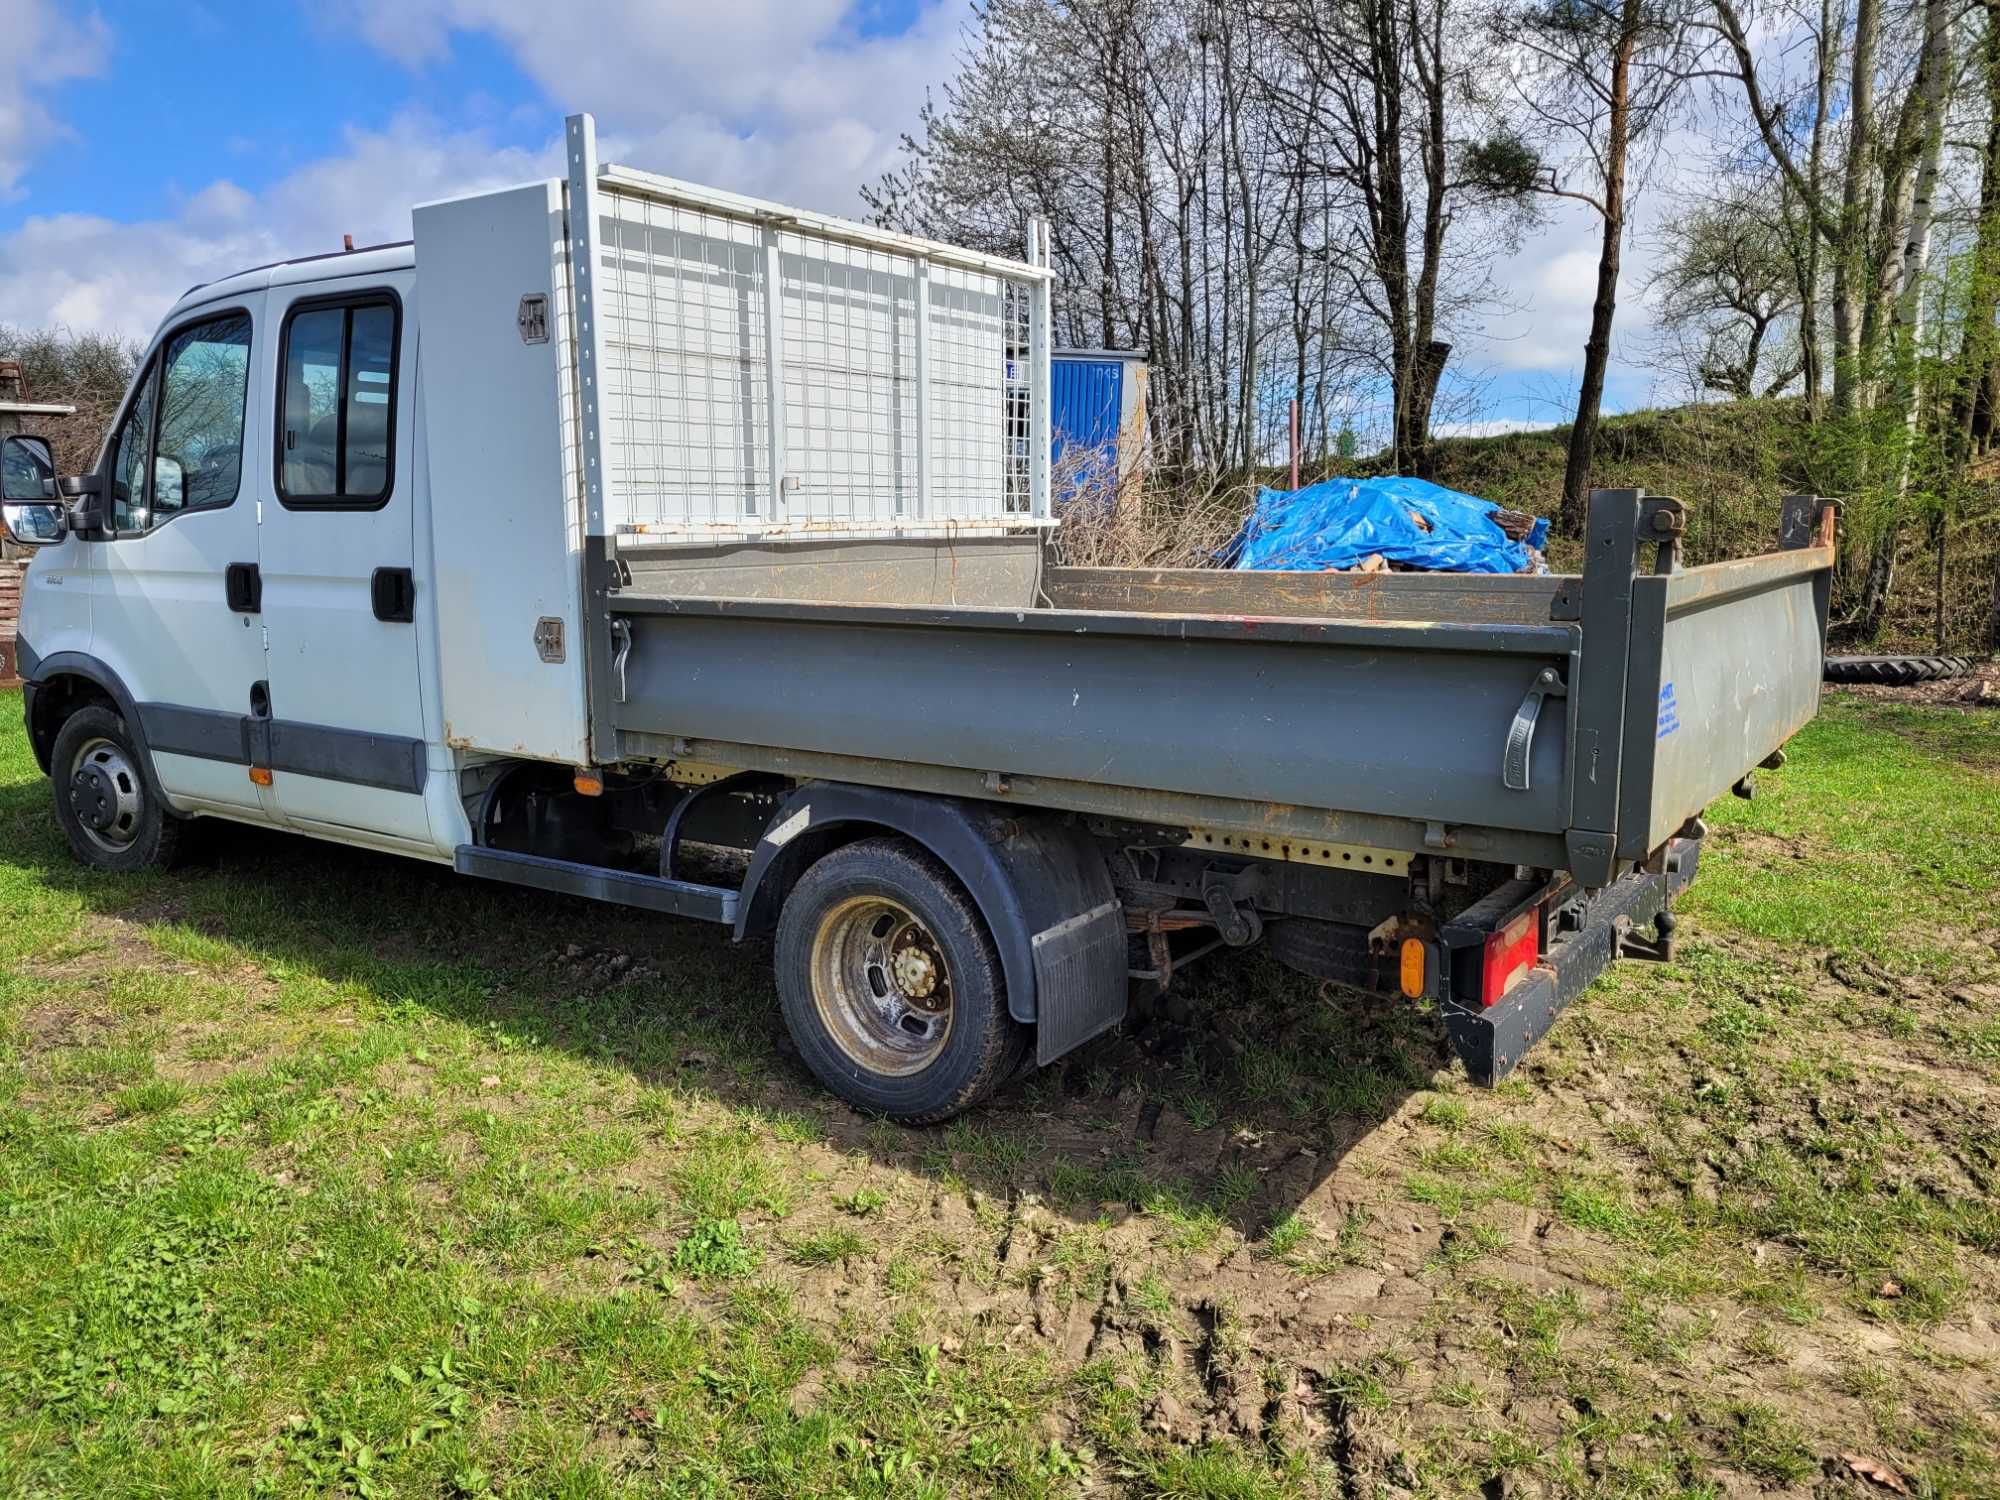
(17, 414)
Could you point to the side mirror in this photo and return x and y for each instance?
(31, 512)
(84, 496)
(169, 483)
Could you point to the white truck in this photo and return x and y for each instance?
(624, 538)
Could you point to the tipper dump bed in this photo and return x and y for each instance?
(1570, 723)
(789, 497)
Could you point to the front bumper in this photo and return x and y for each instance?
(1581, 939)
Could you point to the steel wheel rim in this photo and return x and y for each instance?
(106, 795)
(882, 985)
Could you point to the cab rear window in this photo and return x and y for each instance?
(337, 406)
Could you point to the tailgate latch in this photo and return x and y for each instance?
(1548, 683)
(621, 641)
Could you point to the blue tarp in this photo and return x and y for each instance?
(1339, 523)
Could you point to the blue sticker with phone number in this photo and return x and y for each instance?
(1670, 717)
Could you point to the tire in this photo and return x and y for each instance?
(104, 802)
(891, 986)
(1894, 671)
(1323, 950)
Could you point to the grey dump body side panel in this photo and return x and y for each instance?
(1296, 706)
(1402, 721)
(1720, 708)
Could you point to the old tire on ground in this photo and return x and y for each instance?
(1894, 671)
(106, 806)
(891, 985)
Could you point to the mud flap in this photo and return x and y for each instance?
(1039, 882)
(1080, 981)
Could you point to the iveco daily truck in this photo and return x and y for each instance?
(629, 539)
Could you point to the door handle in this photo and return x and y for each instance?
(393, 592)
(243, 587)
(1521, 733)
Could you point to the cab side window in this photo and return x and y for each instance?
(181, 444)
(200, 453)
(129, 462)
(337, 409)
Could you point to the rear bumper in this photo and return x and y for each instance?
(1581, 939)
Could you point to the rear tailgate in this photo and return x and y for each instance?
(1693, 680)
(1576, 936)
(1738, 668)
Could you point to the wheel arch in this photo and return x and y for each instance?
(70, 680)
(1026, 873)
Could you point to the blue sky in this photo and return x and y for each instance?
(146, 146)
(272, 92)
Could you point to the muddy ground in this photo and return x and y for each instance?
(1732, 1230)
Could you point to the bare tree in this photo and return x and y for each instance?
(88, 371)
(1385, 97)
(1978, 366)
(1598, 77)
(1268, 196)
(1876, 227)
(1726, 281)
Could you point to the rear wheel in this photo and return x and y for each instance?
(106, 808)
(891, 986)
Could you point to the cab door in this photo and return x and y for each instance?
(346, 750)
(173, 573)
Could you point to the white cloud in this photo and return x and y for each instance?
(89, 272)
(1554, 279)
(776, 98)
(1490, 427)
(41, 46)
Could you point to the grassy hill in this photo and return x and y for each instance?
(1730, 463)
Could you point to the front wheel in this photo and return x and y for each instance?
(891, 985)
(106, 808)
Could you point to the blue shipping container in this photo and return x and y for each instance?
(1097, 412)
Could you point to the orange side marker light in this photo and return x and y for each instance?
(1412, 963)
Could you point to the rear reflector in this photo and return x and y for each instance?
(1510, 953)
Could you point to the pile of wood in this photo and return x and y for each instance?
(1516, 524)
(11, 575)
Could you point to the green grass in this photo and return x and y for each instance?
(715, 1248)
(324, 1173)
(1898, 826)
